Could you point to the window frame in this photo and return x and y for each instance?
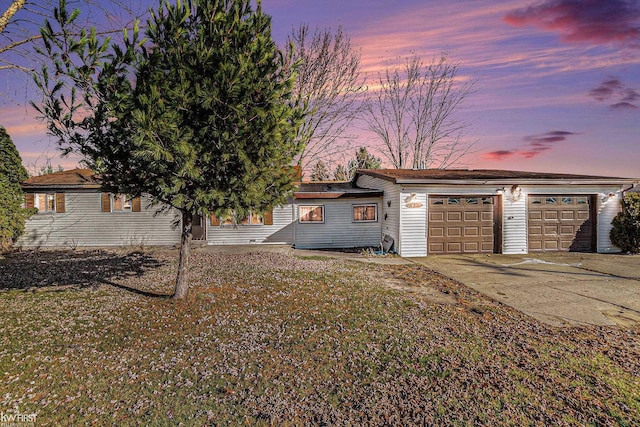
(312, 208)
(56, 198)
(124, 198)
(246, 221)
(108, 203)
(45, 209)
(364, 205)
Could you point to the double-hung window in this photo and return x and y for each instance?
(365, 213)
(46, 202)
(120, 203)
(254, 218)
(311, 214)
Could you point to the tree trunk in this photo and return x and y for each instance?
(182, 280)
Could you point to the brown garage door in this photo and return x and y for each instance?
(561, 223)
(460, 224)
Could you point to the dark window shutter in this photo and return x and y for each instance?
(106, 202)
(268, 217)
(136, 206)
(60, 207)
(29, 200)
(214, 221)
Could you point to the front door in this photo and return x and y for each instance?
(197, 228)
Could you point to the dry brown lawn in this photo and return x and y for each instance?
(270, 339)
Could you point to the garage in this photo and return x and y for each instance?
(561, 223)
(461, 224)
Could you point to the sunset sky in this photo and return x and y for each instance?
(558, 81)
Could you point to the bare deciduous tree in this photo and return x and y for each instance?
(413, 114)
(330, 82)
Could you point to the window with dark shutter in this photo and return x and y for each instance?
(60, 203)
(106, 202)
(29, 200)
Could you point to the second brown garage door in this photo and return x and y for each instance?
(561, 223)
(460, 224)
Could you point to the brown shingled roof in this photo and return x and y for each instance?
(332, 190)
(83, 178)
(438, 175)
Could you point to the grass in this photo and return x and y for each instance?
(267, 339)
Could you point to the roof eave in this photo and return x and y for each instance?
(336, 195)
(511, 181)
(60, 186)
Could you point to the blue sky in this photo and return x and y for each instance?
(558, 81)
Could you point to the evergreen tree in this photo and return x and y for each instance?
(363, 160)
(201, 119)
(320, 172)
(341, 174)
(12, 173)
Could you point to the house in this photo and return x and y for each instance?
(417, 212)
(431, 212)
(72, 211)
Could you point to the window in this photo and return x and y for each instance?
(252, 219)
(436, 201)
(365, 213)
(453, 201)
(46, 202)
(120, 203)
(472, 201)
(311, 214)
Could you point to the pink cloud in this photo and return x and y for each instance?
(534, 146)
(592, 21)
(498, 155)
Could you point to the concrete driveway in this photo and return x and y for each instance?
(556, 288)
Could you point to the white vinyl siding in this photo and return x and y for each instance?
(389, 215)
(514, 225)
(84, 224)
(338, 230)
(280, 232)
(413, 224)
(608, 208)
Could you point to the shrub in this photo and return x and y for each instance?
(625, 233)
(12, 173)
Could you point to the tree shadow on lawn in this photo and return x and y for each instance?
(86, 268)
